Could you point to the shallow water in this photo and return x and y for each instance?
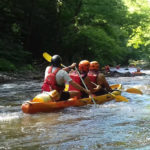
(113, 125)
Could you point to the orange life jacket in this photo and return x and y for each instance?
(50, 81)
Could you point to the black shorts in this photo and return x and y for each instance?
(84, 95)
(64, 96)
(101, 92)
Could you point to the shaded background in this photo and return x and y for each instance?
(109, 31)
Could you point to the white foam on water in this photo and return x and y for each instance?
(124, 70)
(130, 69)
(9, 86)
(9, 116)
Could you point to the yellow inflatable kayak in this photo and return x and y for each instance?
(31, 107)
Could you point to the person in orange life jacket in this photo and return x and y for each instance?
(55, 79)
(98, 78)
(83, 69)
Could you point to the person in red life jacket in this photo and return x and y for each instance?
(55, 79)
(83, 69)
(98, 78)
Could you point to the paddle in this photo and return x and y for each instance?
(85, 85)
(48, 57)
(134, 90)
(118, 98)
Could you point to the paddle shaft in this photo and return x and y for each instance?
(84, 84)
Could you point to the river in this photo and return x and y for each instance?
(111, 126)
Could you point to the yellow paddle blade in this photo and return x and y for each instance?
(120, 98)
(134, 90)
(47, 56)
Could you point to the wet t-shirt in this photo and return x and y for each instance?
(62, 76)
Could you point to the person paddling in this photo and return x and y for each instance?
(56, 77)
(98, 78)
(83, 70)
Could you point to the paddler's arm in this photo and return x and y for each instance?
(101, 80)
(97, 88)
(67, 69)
(77, 86)
(46, 72)
(93, 87)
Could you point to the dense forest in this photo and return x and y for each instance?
(109, 31)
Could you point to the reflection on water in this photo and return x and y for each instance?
(109, 126)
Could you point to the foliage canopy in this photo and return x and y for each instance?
(109, 31)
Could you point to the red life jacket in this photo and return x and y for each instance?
(93, 76)
(50, 81)
(75, 77)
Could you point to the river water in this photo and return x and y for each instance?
(111, 126)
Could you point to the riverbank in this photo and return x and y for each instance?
(19, 76)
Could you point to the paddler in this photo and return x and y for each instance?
(98, 78)
(83, 70)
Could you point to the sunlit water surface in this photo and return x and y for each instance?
(111, 126)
